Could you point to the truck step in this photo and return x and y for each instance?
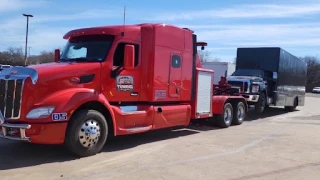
(128, 110)
(137, 129)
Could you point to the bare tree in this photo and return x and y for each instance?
(13, 56)
(313, 71)
(313, 66)
(216, 59)
(204, 55)
(46, 57)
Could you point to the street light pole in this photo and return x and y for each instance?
(26, 46)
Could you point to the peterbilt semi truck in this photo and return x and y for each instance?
(270, 76)
(112, 81)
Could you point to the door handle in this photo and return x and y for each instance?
(178, 90)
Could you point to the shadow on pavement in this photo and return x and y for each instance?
(130, 141)
(18, 154)
(269, 112)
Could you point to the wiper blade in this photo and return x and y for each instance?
(75, 59)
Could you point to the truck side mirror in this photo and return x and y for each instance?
(128, 57)
(56, 55)
(274, 75)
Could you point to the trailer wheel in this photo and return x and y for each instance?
(239, 113)
(292, 108)
(261, 104)
(224, 120)
(87, 133)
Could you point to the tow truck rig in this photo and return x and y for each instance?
(111, 81)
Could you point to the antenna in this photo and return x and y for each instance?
(124, 20)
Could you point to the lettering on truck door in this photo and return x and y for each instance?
(175, 76)
(126, 85)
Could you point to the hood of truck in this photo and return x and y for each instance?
(251, 78)
(35, 83)
(55, 71)
(53, 77)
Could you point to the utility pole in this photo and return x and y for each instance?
(29, 51)
(26, 46)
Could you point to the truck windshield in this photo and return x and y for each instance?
(248, 72)
(89, 48)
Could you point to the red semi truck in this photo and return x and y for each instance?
(111, 81)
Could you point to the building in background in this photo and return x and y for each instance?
(219, 68)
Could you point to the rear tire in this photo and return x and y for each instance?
(225, 119)
(87, 133)
(239, 113)
(292, 108)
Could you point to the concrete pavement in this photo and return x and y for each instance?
(278, 145)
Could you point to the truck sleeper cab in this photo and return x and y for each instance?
(109, 82)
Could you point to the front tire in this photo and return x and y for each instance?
(87, 133)
(224, 120)
(261, 104)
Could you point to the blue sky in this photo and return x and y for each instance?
(293, 25)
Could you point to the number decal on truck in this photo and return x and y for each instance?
(59, 116)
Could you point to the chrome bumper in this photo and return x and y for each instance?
(7, 129)
(253, 98)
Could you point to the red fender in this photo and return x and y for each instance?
(219, 101)
(67, 101)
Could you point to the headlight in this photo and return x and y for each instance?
(255, 88)
(41, 112)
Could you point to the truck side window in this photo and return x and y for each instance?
(118, 57)
(176, 61)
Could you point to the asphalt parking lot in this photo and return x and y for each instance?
(278, 145)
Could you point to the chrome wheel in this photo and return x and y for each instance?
(225, 118)
(227, 115)
(89, 133)
(240, 113)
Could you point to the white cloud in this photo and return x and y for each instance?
(244, 11)
(41, 36)
(18, 22)
(223, 39)
(47, 39)
(273, 34)
(300, 39)
(12, 5)
(40, 39)
(44, 39)
(85, 15)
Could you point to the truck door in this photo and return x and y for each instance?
(125, 85)
(175, 76)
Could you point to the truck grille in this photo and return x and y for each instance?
(242, 85)
(10, 97)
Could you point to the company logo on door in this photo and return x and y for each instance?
(125, 83)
